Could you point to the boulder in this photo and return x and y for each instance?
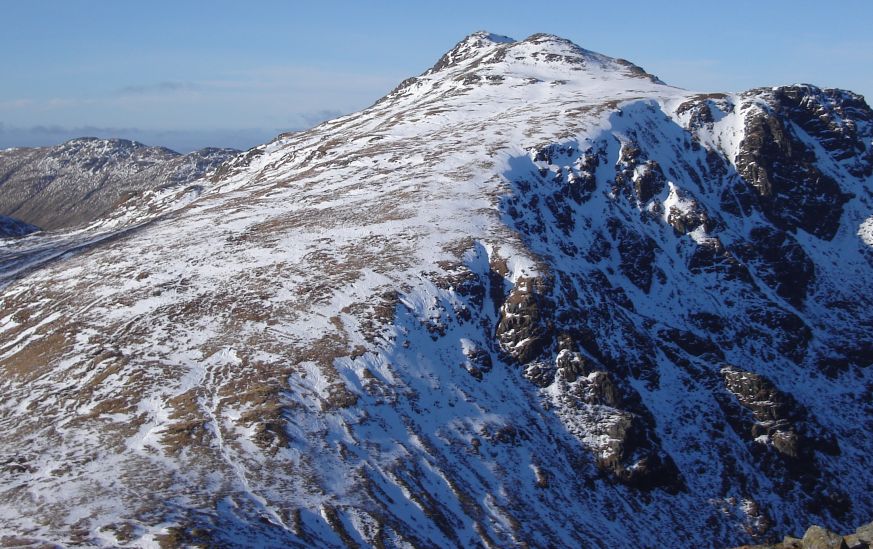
(817, 537)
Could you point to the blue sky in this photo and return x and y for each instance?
(187, 74)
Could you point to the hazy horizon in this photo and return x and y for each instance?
(214, 74)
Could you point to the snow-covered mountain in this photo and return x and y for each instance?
(84, 179)
(532, 297)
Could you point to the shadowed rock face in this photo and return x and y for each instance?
(610, 255)
(524, 328)
(533, 297)
(780, 262)
(783, 435)
(778, 159)
(84, 179)
(11, 227)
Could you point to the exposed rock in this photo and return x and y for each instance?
(865, 533)
(686, 214)
(686, 221)
(781, 426)
(478, 360)
(779, 419)
(570, 365)
(817, 537)
(524, 329)
(710, 256)
(691, 343)
(794, 193)
(831, 117)
(700, 109)
(541, 374)
(597, 388)
(648, 181)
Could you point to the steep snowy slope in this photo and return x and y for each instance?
(532, 296)
(81, 180)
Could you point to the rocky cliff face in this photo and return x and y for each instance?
(84, 179)
(534, 296)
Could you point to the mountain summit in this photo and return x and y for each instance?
(483, 49)
(532, 297)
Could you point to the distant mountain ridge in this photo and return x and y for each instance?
(83, 179)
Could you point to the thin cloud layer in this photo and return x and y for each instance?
(160, 87)
(249, 105)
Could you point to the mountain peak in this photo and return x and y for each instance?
(544, 37)
(473, 45)
(497, 62)
(488, 37)
(540, 48)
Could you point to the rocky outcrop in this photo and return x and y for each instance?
(781, 165)
(787, 442)
(620, 430)
(817, 537)
(778, 420)
(636, 177)
(477, 360)
(833, 118)
(711, 256)
(525, 329)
